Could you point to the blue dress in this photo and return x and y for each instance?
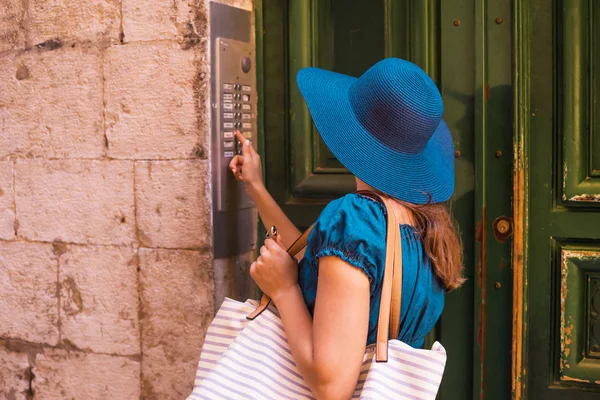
(353, 228)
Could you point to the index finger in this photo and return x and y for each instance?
(246, 149)
(239, 136)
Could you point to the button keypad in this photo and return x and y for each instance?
(236, 114)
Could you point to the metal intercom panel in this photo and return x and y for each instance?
(234, 100)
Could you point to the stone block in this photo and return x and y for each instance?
(12, 26)
(180, 20)
(29, 305)
(172, 203)
(51, 104)
(14, 374)
(99, 299)
(61, 374)
(177, 307)
(77, 201)
(154, 102)
(74, 20)
(7, 201)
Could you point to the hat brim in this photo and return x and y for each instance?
(418, 178)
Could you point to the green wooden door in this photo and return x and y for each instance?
(465, 46)
(557, 304)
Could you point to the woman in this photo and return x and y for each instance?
(386, 127)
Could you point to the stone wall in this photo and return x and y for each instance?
(106, 282)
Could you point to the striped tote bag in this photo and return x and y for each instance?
(246, 354)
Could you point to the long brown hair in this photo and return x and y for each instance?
(441, 241)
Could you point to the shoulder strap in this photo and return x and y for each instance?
(388, 323)
(294, 249)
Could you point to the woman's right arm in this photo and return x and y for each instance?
(246, 168)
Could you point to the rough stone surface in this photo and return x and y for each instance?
(172, 203)
(12, 30)
(14, 374)
(177, 307)
(180, 20)
(51, 104)
(78, 201)
(99, 299)
(7, 201)
(74, 20)
(61, 374)
(151, 93)
(29, 304)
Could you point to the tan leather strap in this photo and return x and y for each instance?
(383, 322)
(391, 291)
(396, 287)
(294, 249)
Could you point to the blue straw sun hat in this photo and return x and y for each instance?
(386, 127)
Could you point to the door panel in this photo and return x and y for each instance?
(468, 55)
(558, 321)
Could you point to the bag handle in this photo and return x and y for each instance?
(294, 249)
(391, 293)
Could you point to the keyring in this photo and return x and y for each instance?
(271, 233)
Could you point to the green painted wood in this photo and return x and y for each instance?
(558, 275)
(579, 270)
(493, 177)
(521, 43)
(458, 92)
(303, 175)
(594, 31)
(581, 184)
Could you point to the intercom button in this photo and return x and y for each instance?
(246, 88)
(228, 145)
(228, 135)
(247, 135)
(247, 116)
(228, 154)
(228, 125)
(247, 125)
(227, 96)
(228, 115)
(227, 86)
(246, 97)
(228, 106)
(246, 107)
(246, 64)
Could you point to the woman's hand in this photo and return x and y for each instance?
(275, 272)
(246, 167)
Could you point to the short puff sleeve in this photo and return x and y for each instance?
(352, 228)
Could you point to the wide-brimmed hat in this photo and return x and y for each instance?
(386, 127)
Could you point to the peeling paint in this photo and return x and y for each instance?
(520, 229)
(481, 237)
(564, 181)
(586, 198)
(565, 331)
(571, 379)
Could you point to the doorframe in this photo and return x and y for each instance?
(521, 102)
